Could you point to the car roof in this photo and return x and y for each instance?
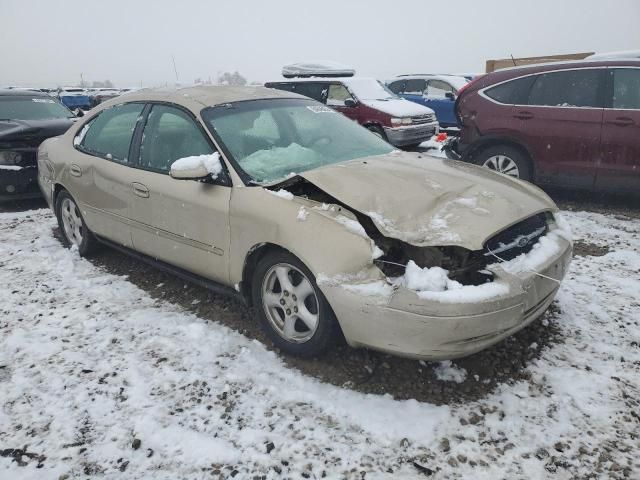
(195, 98)
(608, 62)
(6, 92)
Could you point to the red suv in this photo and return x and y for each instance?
(398, 121)
(570, 124)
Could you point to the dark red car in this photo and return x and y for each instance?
(569, 124)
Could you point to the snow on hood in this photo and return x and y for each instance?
(428, 201)
(398, 107)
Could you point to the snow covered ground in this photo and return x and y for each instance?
(97, 378)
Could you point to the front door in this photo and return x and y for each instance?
(181, 222)
(99, 171)
(619, 170)
(440, 97)
(339, 98)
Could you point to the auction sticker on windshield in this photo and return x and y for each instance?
(320, 109)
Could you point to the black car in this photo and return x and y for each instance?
(26, 119)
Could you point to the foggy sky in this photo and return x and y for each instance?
(131, 42)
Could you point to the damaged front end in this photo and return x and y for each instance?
(464, 266)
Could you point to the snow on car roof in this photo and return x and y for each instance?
(621, 54)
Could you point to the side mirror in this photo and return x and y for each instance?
(196, 167)
(78, 112)
(450, 95)
(350, 102)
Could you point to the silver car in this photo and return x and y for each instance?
(314, 221)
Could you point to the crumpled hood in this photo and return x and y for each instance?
(428, 201)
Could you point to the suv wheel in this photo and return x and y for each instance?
(290, 306)
(507, 160)
(74, 230)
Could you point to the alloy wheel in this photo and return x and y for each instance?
(290, 303)
(502, 164)
(71, 221)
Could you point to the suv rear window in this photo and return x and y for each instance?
(571, 88)
(514, 92)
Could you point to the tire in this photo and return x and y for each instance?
(72, 226)
(280, 310)
(507, 160)
(376, 130)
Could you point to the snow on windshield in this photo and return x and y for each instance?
(369, 89)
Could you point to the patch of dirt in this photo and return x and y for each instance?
(358, 369)
(584, 249)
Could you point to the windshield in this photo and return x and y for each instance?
(272, 139)
(369, 89)
(31, 108)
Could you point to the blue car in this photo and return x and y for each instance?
(438, 92)
(75, 98)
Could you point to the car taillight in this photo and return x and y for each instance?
(468, 84)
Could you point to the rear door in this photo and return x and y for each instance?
(181, 222)
(561, 124)
(619, 169)
(414, 89)
(100, 170)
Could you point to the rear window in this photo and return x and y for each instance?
(317, 91)
(571, 88)
(626, 88)
(514, 92)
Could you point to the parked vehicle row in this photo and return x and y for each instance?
(574, 124)
(233, 186)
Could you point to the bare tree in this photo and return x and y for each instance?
(232, 79)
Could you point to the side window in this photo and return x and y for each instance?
(170, 134)
(397, 87)
(337, 95)
(110, 133)
(626, 88)
(317, 91)
(514, 92)
(572, 88)
(415, 87)
(438, 88)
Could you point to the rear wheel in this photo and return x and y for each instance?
(290, 306)
(507, 160)
(74, 230)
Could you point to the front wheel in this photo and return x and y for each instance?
(74, 230)
(290, 306)
(506, 160)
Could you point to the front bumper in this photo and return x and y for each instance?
(408, 326)
(412, 134)
(18, 184)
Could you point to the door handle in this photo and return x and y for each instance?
(622, 121)
(140, 190)
(524, 115)
(75, 170)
